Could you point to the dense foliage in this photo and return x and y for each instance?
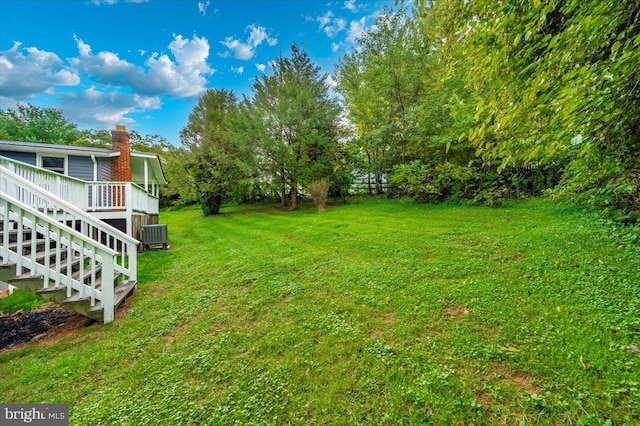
(292, 123)
(560, 83)
(218, 165)
(486, 100)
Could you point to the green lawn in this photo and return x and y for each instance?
(376, 312)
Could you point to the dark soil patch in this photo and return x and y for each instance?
(43, 322)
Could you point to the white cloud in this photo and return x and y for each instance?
(259, 34)
(203, 6)
(356, 28)
(325, 19)
(182, 77)
(331, 24)
(261, 67)
(330, 82)
(350, 4)
(240, 50)
(238, 70)
(105, 109)
(335, 47)
(246, 50)
(338, 25)
(29, 71)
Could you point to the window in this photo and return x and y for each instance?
(55, 164)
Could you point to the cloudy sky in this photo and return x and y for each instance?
(143, 63)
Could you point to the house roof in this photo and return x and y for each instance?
(155, 168)
(56, 149)
(137, 158)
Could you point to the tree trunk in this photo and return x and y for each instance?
(369, 173)
(283, 192)
(294, 196)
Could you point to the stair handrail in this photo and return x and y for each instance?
(100, 256)
(31, 194)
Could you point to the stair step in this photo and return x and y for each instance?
(53, 293)
(51, 289)
(41, 256)
(87, 274)
(76, 298)
(26, 244)
(121, 292)
(63, 264)
(27, 282)
(26, 277)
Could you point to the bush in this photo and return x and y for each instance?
(433, 183)
(448, 181)
(319, 189)
(211, 203)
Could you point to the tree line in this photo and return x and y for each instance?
(443, 100)
(459, 101)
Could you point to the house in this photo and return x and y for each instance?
(71, 220)
(116, 185)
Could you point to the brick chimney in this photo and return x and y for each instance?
(121, 166)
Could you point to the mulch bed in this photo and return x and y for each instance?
(26, 326)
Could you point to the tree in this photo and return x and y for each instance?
(293, 123)
(383, 82)
(34, 124)
(219, 164)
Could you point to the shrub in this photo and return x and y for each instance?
(211, 203)
(433, 183)
(319, 189)
(448, 181)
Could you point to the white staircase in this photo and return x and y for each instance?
(56, 250)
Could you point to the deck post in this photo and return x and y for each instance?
(146, 175)
(129, 202)
(107, 288)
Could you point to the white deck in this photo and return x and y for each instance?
(104, 200)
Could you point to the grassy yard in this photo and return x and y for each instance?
(376, 312)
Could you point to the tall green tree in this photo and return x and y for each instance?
(219, 164)
(382, 82)
(293, 123)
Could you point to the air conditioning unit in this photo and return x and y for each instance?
(153, 235)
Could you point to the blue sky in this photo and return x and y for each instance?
(143, 63)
